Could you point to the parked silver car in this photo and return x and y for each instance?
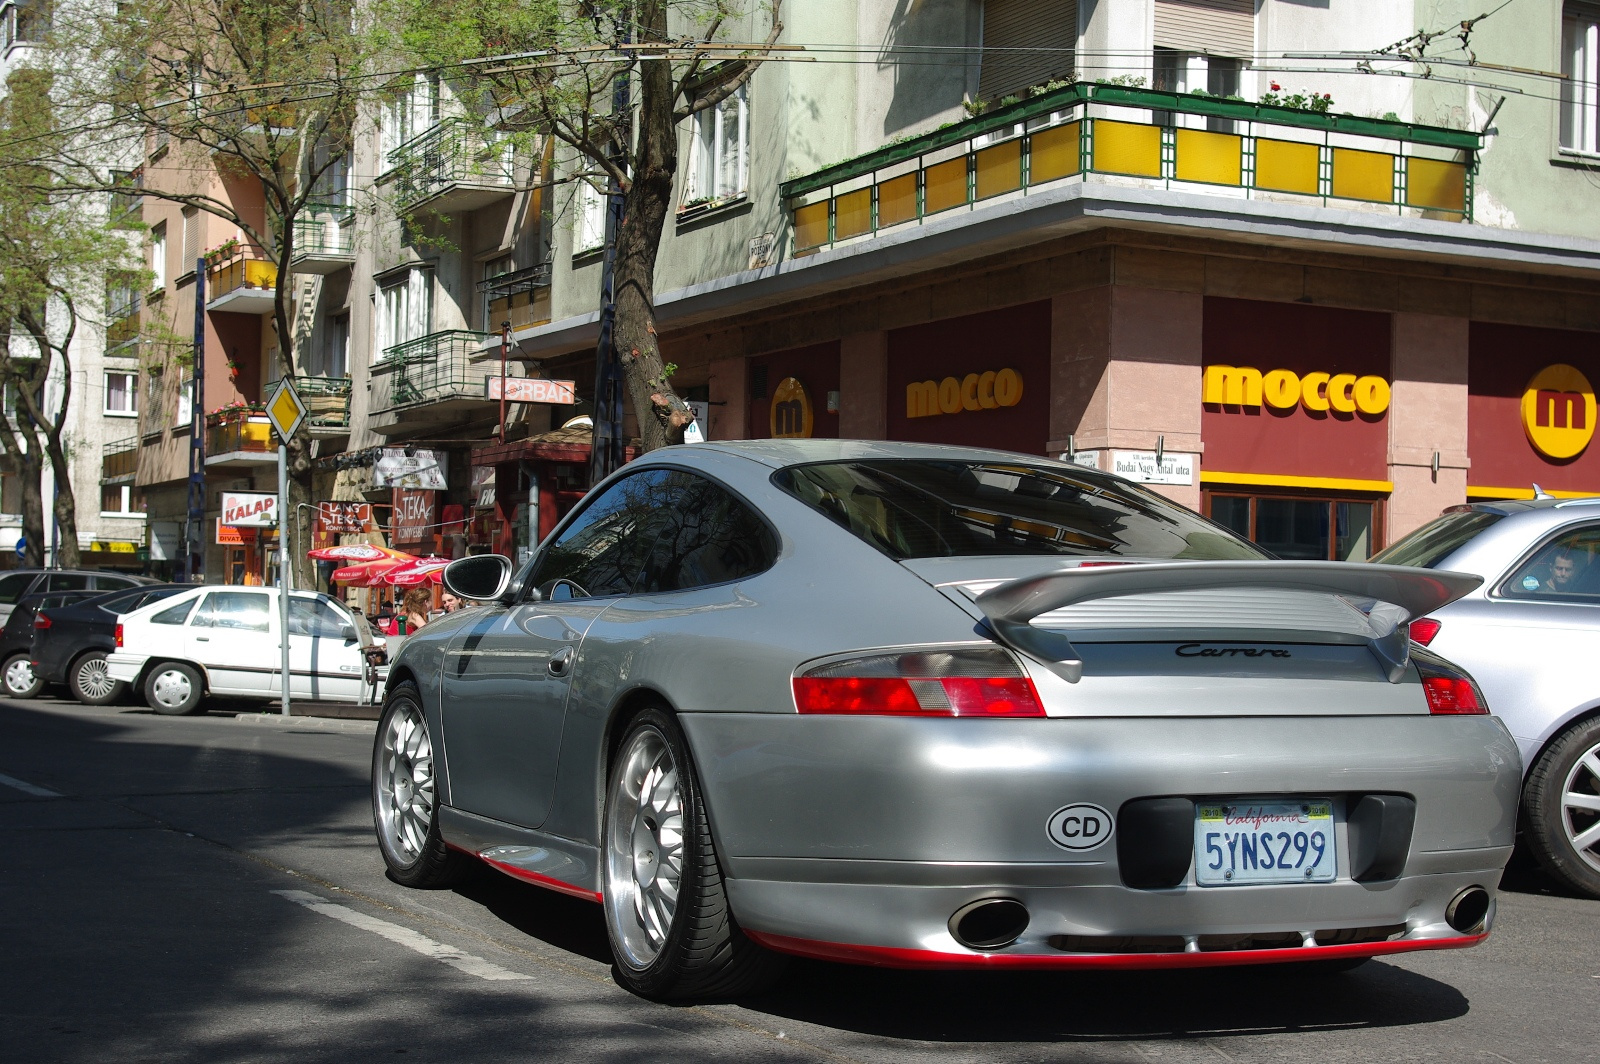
(942, 707)
(1530, 636)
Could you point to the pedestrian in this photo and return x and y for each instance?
(449, 602)
(413, 611)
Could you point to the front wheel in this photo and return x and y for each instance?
(90, 680)
(1561, 804)
(19, 677)
(174, 689)
(405, 802)
(667, 914)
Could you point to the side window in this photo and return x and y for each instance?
(603, 551)
(14, 587)
(124, 603)
(111, 583)
(67, 582)
(1567, 569)
(174, 614)
(245, 611)
(705, 536)
(315, 618)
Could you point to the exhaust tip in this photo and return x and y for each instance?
(1467, 910)
(991, 923)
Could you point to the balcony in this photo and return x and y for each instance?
(327, 402)
(522, 297)
(451, 168)
(324, 245)
(122, 324)
(239, 439)
(1169, 140)
(429, 381)
(240, 281)
(119, 460)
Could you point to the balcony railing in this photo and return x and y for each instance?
(451, 167)
(327, 402)
(127, 197)
(1176, 140)
(522, 298)
(239, 436)
(242, 281)
(122, 321)
(429, 378)
(119, 460)
(323, 245)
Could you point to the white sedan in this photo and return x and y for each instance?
(226, 641)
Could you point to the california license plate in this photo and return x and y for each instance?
(1243, 841)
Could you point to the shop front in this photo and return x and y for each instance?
(522, 489)
(1531, 404)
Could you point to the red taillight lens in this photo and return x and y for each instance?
(119, 637)
(1423, 629)
(41, 621)
(955, 683)
(1452, 694)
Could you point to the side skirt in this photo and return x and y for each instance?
(535, 857)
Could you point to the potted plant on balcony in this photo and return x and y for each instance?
(221, 253)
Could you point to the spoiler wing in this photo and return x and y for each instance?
(1401, 594)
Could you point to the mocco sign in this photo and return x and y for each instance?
(1284, 389)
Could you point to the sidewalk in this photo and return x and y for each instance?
(334, 716)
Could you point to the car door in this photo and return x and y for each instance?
(325, 659)
(508, 673)
(233, 635)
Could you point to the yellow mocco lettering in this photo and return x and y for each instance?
(988, 390)
(1283, 389)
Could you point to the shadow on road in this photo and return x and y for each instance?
(569, 924)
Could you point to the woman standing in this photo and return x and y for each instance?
(413, 611)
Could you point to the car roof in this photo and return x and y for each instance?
(780, 453)
(1507, 507)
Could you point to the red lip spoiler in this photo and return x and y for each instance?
(1401, 593)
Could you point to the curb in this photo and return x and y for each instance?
(277, 720)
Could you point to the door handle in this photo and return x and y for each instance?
(202, 639)
(561, 661)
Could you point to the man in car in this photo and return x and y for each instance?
(1564, 570)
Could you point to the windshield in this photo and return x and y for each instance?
(920, 508)
(1435, 541)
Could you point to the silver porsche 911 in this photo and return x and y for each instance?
(941, 707)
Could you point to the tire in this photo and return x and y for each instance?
(90, 683)
(174, 689)
(19, 679)
(657, 843)
(1561, 808)
(405, 805)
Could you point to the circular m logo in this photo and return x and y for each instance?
(791, 411)
(1558, 411)
(1080, 827)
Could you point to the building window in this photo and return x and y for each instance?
(719, 153)
(1025, 43)
(1299, 528)
(1179, 71)
(158, 257)
(590, 233)
(184, 411)
(122, 394)
(336, 347)
(408, 115)
(1580, 63)
(405, 309)
(117, 500)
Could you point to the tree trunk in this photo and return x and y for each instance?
(65, 507)
(301, 505)
(29, 477)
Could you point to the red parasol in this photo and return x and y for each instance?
(428, 570)
(369, 574)
(358, 552)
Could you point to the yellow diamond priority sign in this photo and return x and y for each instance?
(285, 410)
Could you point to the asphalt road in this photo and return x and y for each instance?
(183, 890)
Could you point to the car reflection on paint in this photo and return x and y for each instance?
(940, 707)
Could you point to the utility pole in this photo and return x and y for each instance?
(194, 550)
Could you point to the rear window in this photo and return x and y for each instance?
(1435, 541)
(917, 508)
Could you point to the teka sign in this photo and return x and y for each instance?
(248, 509)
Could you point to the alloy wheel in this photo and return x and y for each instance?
(644, 858)
(1580, 806)
(94, 678)
(405, 783)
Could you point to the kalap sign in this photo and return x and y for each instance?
(248, 509)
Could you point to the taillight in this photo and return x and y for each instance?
(119, 636)
(41, 621)
(939, 683)
(1423, 629)
(1449, 691)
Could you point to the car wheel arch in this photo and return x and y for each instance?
(1559, 727)
(627, 705)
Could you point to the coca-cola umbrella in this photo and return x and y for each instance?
(357, 552)
(369, 574)
(428, 570)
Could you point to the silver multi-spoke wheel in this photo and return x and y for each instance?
(1580, 806)
(94, 680)
(404, 784)
(644, 852)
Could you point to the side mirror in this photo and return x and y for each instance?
(481, 577)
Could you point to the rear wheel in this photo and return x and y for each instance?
(90, 680)
(667, 916)
(19, 678)
(405, 802)
(1561, 804)
(174, 689)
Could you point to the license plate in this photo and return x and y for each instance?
(1243, 841)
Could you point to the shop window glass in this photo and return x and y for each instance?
(1301, 529)
(1232, 513)
(1564, 570)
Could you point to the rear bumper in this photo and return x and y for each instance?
(125, 668)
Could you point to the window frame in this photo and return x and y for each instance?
(158, 257)
(131, 391)
(1578, 112)
(1377, 533)
(589, 223)
(1496, 591)
(708, 141)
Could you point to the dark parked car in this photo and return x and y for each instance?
(16, 641)
(14, 585)
(70, 642)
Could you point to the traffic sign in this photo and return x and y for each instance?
(22, 545)
(285, 410)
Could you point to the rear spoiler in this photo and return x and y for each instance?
(1401, 593)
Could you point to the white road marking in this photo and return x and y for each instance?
(404, 936)
(28, 788)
